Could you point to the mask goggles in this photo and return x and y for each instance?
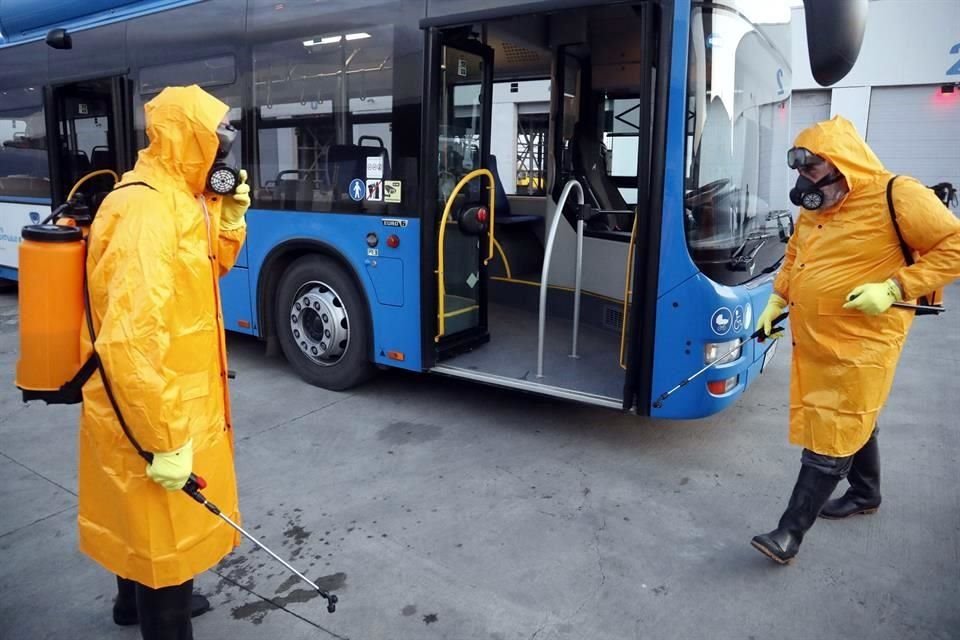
(799, 157)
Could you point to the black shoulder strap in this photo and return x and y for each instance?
(95, 358)
(907, 253)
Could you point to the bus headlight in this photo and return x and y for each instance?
(714, 350)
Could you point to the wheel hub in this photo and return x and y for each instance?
(319, 323)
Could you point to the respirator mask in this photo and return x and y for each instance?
(224, 179)
(807, 193)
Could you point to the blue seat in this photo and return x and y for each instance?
(502, 203)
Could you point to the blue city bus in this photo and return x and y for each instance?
(381, 139)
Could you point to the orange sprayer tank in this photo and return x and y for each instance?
(51, 307)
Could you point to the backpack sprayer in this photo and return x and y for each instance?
(53, 300)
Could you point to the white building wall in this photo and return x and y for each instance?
(893, 94)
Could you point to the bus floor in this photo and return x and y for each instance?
(512, 353)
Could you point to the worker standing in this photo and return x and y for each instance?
(158, 247)
(844, 268)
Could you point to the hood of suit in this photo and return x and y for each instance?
(182, 129)
(837, 140)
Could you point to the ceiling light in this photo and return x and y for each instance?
(357, 36)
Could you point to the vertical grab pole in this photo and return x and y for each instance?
(547, 255)
(576, 290)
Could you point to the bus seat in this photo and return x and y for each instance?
(502, 203)
(367, 151)
(345, 162)
(589, 163)
(100, 158)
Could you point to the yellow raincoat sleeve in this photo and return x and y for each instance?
(134, 340)
(931, 229)
(781, 285)
(229, 244)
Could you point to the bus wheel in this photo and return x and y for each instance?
(322, 324)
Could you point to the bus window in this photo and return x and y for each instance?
(324, 104)
(23, 147)
(736, 184)
(216, 75)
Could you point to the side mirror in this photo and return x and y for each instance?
(834, 36)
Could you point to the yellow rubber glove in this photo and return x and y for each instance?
(775, 306)
(874, 298)
(235, 206)
(171, 470)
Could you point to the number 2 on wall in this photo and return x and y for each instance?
(955, 69)
(780, 79)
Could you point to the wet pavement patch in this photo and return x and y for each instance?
(409, 610)
(409, 433)
(255, 612)
(430, 618)
(297, 534)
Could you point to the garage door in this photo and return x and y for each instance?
(916, 131)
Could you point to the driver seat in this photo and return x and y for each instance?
(589, 163)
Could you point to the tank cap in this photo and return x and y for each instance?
(51, 233)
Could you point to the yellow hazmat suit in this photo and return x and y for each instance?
(154, 260)
(844, 360)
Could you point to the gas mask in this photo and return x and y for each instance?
(809, 194)
(223, 179)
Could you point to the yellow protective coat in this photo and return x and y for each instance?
(154, 261)
(843, 360)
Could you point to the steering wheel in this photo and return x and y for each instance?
(704, 194)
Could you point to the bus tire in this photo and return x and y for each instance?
(322, 324)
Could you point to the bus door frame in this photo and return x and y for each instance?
(641, 320)
(430, 210)
(121, 137)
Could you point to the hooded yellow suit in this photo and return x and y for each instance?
(154, 261)
(843, 360)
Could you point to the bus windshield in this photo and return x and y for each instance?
(736, 206)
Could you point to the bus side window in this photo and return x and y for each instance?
(325, 110)
(23, 145)
(216, 75)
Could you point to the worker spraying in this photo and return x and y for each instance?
(866, 244)
(158, 246)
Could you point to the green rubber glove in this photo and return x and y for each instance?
(874, 298)
(171, 470)
(775, 306)
(235, 206)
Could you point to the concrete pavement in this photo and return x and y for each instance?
(441, 509)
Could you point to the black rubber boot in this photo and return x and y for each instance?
(125, 606)
(165, 613)
(863, 496)
(812, 490)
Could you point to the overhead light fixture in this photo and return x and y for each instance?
(947, 88)
(335, 39)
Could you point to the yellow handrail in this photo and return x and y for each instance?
(503, 256)
(627, 287)
(441, 290)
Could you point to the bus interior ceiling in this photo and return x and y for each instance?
(590, 135)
